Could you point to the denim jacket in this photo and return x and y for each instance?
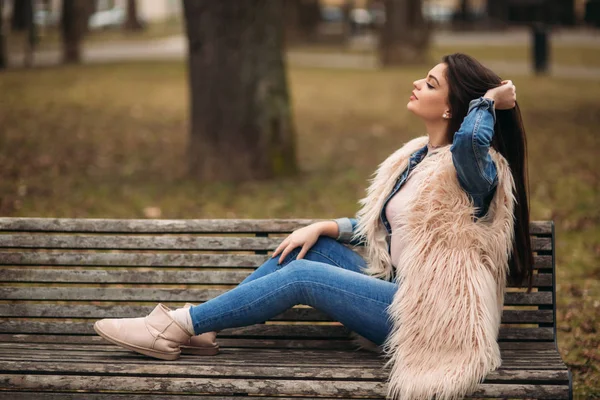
(475, 169)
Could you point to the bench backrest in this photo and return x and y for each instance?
(59, 275)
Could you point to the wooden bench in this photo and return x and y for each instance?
(58, 276)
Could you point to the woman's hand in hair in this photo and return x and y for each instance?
(504, 96)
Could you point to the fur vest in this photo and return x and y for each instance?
(451, 278)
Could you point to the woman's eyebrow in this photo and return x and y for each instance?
(433, 77)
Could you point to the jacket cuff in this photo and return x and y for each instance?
(485, 103)
(345, 229)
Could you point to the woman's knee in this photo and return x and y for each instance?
(323, 243)
(306, 270)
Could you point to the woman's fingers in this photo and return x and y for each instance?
(287, 251)
(303, 252)
(281, 246)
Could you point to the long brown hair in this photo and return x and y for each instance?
(468, 79)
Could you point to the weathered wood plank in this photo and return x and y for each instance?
(254, 387)
(296, 313)
(312, 331)
(10, 395)
(123, 276)
(154, 242)
(214, 385)
(199, 366)
(192, 295)
(132, 259)
(253, 342)
(508, 353)
(137, 242)
(224, 342)
(132, 311)
(281, 359)
(98, 225)
(154, 276)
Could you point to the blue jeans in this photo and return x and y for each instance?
(328, 278)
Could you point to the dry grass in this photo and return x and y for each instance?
(109, 141)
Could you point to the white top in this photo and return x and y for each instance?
(398, 201)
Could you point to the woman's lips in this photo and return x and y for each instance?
(414, 96)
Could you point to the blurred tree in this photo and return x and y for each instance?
(405, 34)
(497, 12)
(73, 23)
(132, 22)
(3, 56)
(301, 18)
(20, 14)
(241, 119)
(464, 11)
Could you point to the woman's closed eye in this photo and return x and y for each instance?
(429, 86)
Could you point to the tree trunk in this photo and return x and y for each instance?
(132, 23)
(73, 25)
(405, 35)
(301, 19)
(3, 55)
(241, 122)
(19, 15)
(497, 11)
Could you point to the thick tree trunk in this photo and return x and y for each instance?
(3, 55)
(405, 35)
(73, 25)
(241, 122)
(19, 15)
(132, 23)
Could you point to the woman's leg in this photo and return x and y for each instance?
(326, 250)
(356, 300)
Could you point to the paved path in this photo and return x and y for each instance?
(175, 48)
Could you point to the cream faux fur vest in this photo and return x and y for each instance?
(451, 278)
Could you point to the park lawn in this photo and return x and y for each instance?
(50, 39)
(109, 141)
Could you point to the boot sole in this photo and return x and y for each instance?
(200, 351)
(137, 349)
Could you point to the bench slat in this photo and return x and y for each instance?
(306, 387)
(178, 226)
(305, 331)
(131, 259)
(133, 311)
(192, 295)
(147, 242)
(281, 361)
(153, 276)
(101, 225)
(232, 342)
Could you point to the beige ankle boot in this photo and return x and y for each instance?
(157, 335)
(203, 344)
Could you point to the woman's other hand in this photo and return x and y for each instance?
(305, 237)
(504, 96)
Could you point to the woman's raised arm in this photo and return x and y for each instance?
(475, 168)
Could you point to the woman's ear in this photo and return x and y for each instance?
(447, 114)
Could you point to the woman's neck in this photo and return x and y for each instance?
(437, 133)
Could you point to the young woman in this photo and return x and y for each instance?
(445, 223)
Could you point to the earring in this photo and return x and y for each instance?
(445, 116)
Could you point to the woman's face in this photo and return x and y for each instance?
(429, 99)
